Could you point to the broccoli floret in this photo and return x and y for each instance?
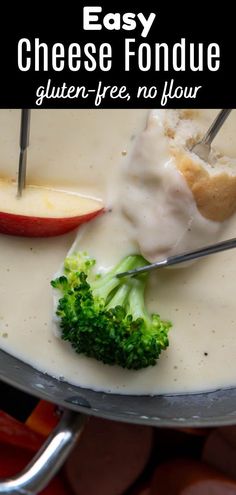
(104, 317)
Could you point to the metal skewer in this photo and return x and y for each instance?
(203, 148)
(24, 143)
(183, 257)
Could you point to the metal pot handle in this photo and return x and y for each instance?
(48, 459)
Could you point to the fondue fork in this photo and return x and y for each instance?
(24, 143)
(183, 257)
(203, 147)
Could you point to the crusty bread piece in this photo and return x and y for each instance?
(215, 194)
(213, 184)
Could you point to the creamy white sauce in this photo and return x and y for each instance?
(85, 150)
(157, 200)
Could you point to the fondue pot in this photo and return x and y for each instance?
(76, 403)
(208, 409)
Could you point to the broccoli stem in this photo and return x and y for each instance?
(119, 297)
(136, 298)
(104, 285)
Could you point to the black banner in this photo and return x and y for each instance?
(107, 55)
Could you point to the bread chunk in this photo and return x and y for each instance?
(214, 193)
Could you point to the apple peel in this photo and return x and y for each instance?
(43, 212)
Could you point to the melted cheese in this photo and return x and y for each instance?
(88, 151)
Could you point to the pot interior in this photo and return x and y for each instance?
(207, 409)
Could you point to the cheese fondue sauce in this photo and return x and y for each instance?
(87, 150)
(156, 198)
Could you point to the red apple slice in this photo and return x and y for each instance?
(43, 212)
